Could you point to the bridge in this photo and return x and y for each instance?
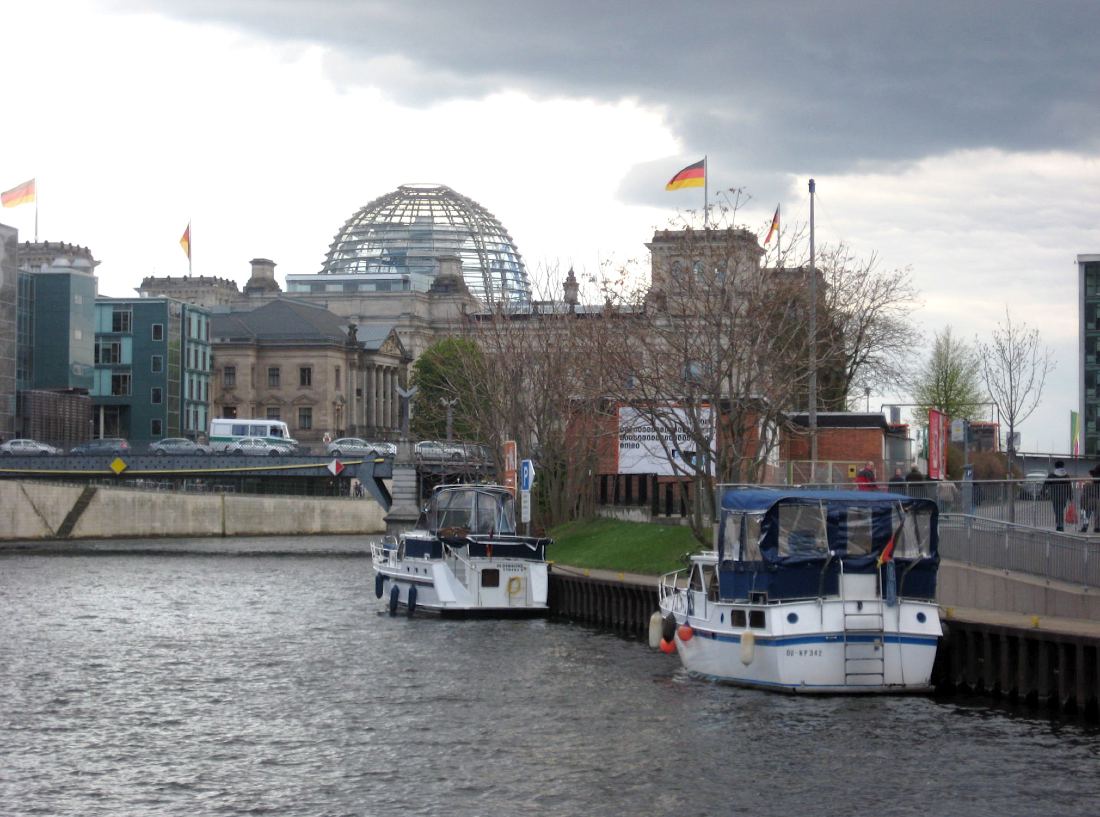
(305, 474)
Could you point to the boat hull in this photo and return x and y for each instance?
(518, 589)
(816, 646)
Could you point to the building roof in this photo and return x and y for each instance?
(280, 320)
(840, 419)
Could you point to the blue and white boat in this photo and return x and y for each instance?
(464, 558)
(810, 591)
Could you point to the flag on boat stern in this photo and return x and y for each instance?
(23, 194)
(691, 176)
(185, 241)
(775, 225)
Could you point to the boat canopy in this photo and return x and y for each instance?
(785, 526)
(472, 509)
(790, 543)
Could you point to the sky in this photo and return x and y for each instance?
(957, 141)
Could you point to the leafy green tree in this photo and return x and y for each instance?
(447, 375)
(950, 380)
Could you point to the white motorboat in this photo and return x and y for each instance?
(464, 558)
(809, 591)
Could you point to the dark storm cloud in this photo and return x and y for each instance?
(772, 86)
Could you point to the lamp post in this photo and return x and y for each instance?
(450, 404)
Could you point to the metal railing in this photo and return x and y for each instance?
(1011, 547)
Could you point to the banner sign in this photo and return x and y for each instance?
(937, 444)
(665, 447)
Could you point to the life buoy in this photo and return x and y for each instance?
(515, 586)
(395, 595)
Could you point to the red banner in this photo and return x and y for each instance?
(510, 465)
(937, 444)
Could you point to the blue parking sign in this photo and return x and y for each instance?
(526, 474)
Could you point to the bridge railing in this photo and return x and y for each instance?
(1008, 546)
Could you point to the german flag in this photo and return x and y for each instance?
(775, 225)
(691, 176)
(185, 241)
(23, 194)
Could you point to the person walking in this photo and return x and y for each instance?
(897, 481)
(865, 477)
(1090, 501)
(915, 483)
(1059, 489)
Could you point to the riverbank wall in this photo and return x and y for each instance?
(32, 511)
(1039, 663)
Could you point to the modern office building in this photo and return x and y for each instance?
(1088, 296)
(152, 369)
(9, 241)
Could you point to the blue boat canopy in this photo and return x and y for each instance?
(794, 542)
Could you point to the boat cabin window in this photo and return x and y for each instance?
(454, 509)
(750, 549)
(737, 618)
(730, 545)
(490, 578)
(860, 530)
(802, 530)
(757, 619)
(915, 539)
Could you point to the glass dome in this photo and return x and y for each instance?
(399, 237)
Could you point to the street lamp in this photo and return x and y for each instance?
(450, 404)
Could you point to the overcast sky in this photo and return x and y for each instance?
(958, 140)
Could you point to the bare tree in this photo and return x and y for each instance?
(1014, 365)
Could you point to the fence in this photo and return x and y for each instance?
(1018, 548)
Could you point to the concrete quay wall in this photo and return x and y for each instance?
(962, 585)
(38, 511)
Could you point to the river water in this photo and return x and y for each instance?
(251, 684)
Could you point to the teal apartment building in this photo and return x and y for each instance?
(152, 369)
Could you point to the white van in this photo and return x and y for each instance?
(224, 432)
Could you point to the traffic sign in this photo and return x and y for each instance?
(526, 475)
(525, 506)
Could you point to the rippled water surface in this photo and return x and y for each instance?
(209, 685)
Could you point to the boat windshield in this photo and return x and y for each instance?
(475, 511)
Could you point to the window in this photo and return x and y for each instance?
(305, 376)
(120, 384)
(273, 377)
(157, 363)
(156, 396)
(156, 427)
(78, 298)
(490, 578)
(121, 319)
(273, 413)
(229, 376)
(337, 377)
(108, 352)
(305, 417)
(78, 334)
(158, 331)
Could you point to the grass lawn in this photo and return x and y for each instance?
(632, 547)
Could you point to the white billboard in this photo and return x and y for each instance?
(665, 447)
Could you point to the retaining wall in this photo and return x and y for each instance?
(962, 585)
(34, 510)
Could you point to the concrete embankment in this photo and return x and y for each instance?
(40, 511)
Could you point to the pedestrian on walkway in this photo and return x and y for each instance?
(1090, 501)
(865, 477)
(1059, 489)
(897, 481)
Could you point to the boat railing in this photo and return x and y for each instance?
(468, 568)
(669, 587)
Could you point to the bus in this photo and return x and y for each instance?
(224, 432)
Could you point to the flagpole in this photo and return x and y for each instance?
(779, 238)
(706, 182)
(36, 210)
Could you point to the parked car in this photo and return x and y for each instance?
(26, 448)
(1032, 486)
(179, 446)
(359, 447)
(104, 445)
(254, 446)
(436, 451)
